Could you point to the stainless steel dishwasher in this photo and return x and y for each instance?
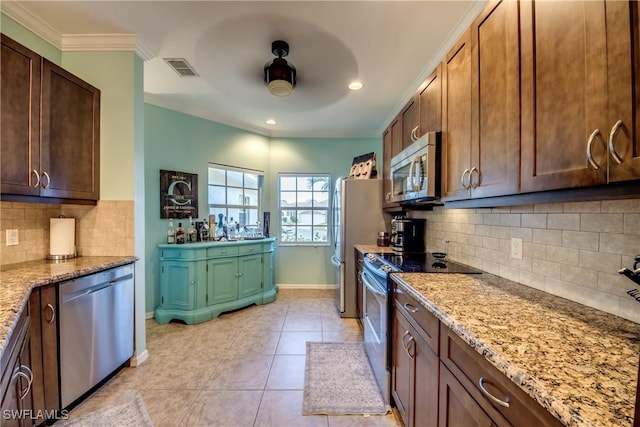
(96, 329)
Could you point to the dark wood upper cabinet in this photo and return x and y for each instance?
(481, 107)
(430, 103)
(391, 145)
(50, 129)
(456, 120)
(410, 125)
(70, 135)
(564, 94)
(20, 116)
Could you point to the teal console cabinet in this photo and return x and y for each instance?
(200, 281)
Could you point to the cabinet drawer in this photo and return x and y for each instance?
(470, 368)
(426, 323)
(222, 250)
(250, 249)
(178, 254)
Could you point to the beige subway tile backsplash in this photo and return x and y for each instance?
(573, 250)
(103, 230)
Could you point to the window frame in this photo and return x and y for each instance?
(226, 206)
(326, 210)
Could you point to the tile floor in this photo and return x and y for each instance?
(244, 368)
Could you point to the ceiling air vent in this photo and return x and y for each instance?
(181, 66)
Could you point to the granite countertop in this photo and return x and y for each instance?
(17, 281)
(373, 249)
(579, 363)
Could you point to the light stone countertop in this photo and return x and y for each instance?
(579, 363)
(17, 281)
(373, 249)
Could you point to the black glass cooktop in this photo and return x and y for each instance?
(425, 262)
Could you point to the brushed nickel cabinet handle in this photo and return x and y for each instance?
(19, 373)
(410, 307)
(26, 368)
(37, 184)
(411, 354)
(612, 141)
(53, 313)
(474, 184)
(45, 186)
(590, 149)
(464, 173)
(491, 396)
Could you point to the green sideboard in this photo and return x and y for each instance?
(200, 281)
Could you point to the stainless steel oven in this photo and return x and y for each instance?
(375, 320)
(415, 172)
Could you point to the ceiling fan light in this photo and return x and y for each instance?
(280, 87)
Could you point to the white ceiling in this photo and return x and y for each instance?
(390, 46)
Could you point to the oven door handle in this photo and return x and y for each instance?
(370, 286)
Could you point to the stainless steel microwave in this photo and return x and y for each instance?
(415, 171)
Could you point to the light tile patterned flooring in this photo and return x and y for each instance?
(245, 368)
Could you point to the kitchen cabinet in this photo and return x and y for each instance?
(16, 397)
(391, 145)
(44, 351)
(50, 129)
(472, 390)
(200, 281)
(410, 122)
(579, 115)
(482, 108)
(430, 103)
(415, 363)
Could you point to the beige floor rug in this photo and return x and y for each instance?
(338, 380)
(129, 412)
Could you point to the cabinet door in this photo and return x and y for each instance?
(456, 120)
(177, 285)
(387, 153)
(564, 94)
(623, 38)
(20, 116)
(49, 322)
(457, 407)
(427, 364)
(430, 103)
(495, 155)
(222, 280)
(249, 275)
(70, 135)
(401, 366)
(409, 121)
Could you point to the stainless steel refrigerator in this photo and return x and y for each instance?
(357, 219)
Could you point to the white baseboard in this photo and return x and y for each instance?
(138, 359)
(324, 286)
(149, 315)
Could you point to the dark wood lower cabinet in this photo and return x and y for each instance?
(415, 368)
(457, 407)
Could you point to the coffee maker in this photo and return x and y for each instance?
(407, 234)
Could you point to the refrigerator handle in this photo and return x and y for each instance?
(336, 263)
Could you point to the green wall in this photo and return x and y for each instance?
(176, 141)
(180, 142)
(311, 265)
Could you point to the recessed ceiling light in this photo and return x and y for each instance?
(356, 85)
(271, 122)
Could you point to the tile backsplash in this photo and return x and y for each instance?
(103, 230)
(573, 250)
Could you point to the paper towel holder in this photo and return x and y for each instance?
(69, 253)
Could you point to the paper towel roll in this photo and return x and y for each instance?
(62, 237)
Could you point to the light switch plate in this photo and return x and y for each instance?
(516, 248)
(12, 237)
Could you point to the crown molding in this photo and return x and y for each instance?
(31, 22)
(127, 42)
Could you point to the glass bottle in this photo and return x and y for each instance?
(179, 234)
(171, 234)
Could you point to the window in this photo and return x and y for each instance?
(304, 208)
(234, 194)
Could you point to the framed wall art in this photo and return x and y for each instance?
(178, 194)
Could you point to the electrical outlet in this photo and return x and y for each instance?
(516, 248)
(12, 237)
